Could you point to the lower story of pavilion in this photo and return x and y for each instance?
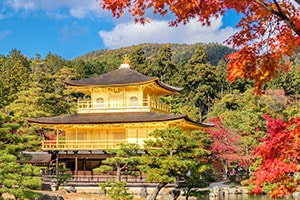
(80, 165)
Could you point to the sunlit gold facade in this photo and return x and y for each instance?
(122, 106)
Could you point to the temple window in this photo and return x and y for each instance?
(134, 101)
(100, 102)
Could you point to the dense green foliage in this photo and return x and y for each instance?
(124, 160)
(171, 154)
(16, 178)
(116, 190)
(35, 88)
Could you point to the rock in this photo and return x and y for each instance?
(245, 191)
(51, 197)
(232, 190)
(226, 190)
(239, 191)
(53, 187)
(212, 195)
(175, 193)
(296, 195)
(8, 196)
(72, 189)
(143, 192)
(216, 189)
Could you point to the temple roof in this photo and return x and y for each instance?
(36, 157)
(106, 118)
(124, 75)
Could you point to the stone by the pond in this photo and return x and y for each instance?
(296, 195)
(8, 196)
(51, 197)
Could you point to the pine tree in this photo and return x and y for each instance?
(15, 178)
(200, 82)
(162, 66)
(138, 60)
(125, 159)
(170, 155)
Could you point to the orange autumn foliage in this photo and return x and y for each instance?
(269, 30)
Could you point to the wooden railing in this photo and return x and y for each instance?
(80, 144)
(145, 104)
(94, 180)
(103, 178)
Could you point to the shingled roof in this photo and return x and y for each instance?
(124, 75)
(106, 118)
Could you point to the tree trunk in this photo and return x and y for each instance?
(156, 191)
(225, 169)
(188, 193)
(118, 176)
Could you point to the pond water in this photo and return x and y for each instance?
(241, 197)
(245, 197)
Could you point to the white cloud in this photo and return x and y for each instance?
(3, 34)
(125, 34)
(77, 8)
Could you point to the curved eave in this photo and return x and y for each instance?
(109, 85)
(165, 88)
(115, 118)
(122, 75)
(168, 87)
(196, 125)
(43, 121)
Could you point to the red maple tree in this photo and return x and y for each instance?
(280, 159)
(269, 30)
(227, 145)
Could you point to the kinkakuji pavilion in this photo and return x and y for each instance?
(124, 107)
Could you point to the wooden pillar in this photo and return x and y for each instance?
(56, 165)
(76, 163)
(84, 164)
(56, 138)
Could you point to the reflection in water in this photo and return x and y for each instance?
(243, 197)
(240, 197)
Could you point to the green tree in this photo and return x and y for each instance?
(116, 190)
(62, 177)
(200, 82)
(162, 66)
(87, 68)
(125, 159)
(138, 60)
(52, 97)
(15, 178)
(54, 62)
(62, 97)
(201, 174)
(29, 102)
(170, 154)
(13, 77)
(221, 77)
(217, 52)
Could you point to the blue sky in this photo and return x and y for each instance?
(71, 28)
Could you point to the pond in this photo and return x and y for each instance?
(245, 197)
(241, 197)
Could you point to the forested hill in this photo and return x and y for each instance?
(35, 87)
(180, 52)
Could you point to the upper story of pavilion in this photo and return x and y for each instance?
(122, 90)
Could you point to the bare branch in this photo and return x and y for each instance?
(279, 14)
